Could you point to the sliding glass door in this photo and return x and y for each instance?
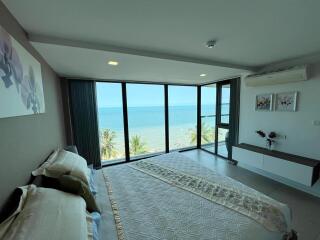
(215, 118)
(223, 119)
(145, 119)
(182, 101)
(208, 117)
(110, 120)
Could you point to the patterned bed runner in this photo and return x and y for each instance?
(251, 206)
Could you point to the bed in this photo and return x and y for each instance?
(173, 197)
(168, 197)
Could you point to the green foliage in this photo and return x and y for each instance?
(207, 134)
(108, 144)
(137, 146)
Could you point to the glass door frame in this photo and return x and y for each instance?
(218, 123)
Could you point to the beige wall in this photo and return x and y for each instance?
(26, 140)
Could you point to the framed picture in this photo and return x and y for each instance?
(286, 101)
(21, 91)
(264, 102)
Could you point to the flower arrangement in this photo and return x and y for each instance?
(269, 138)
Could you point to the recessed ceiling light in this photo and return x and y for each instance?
(203, 75)
(113, 63)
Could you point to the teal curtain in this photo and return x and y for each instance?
(83, 109)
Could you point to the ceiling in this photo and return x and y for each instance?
(249, 34)
(92, 64)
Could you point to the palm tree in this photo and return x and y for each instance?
(137, 146)
(207, 134)
(107, 144)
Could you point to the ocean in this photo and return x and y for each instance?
(148, 123)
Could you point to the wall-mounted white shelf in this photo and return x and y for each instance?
(295, 168)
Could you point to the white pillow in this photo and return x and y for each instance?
(63, 162)
(5, 225)
(48, 214)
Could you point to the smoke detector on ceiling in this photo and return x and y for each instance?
(211, 43)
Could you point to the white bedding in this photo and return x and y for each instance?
(152, 209)
(62, 162)
(46, 213)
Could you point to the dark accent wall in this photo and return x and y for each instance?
(25, 141)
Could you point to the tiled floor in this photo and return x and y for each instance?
(305, 207)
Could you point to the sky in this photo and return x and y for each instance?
(142, 95)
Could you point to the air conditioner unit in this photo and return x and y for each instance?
(281, 76)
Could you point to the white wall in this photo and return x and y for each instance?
(303, 138)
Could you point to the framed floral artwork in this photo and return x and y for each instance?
(21, 90)
(264, 102)
(286, 101)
